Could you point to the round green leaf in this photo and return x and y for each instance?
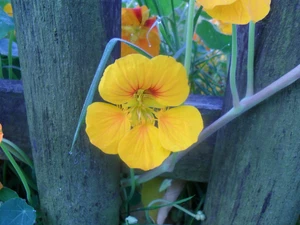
(16, 212)
(6, 194)
(213, 38)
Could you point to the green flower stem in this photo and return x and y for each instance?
(189, 36)
(196, 216)
(132, 178)
(17, 152)
(94, 85)
(232, 74)
(19, 171)
(250, 61)
(1, 72)
(198, 13)
(10, 72)
(245, 104)
(174, 26)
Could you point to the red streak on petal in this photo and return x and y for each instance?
(138, 13)
(153, 91)
(149, 22)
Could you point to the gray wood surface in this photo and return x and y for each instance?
(14, 121)
(60, 44)
(255, 177)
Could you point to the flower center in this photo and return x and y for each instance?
(140, 113)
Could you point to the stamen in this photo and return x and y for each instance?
(157, 22)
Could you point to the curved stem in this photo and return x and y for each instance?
(196, 216)
(246, 104)
(10, 72)
(189, 36)
(1, 72)
(19, 171)
(132, 178)
(250, 60)
(232, 75)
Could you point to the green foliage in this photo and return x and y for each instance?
(213, 38)
(16, 211)
(6, 194)
(162, 8)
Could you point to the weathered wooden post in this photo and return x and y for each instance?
(255, 175)
(60, 44)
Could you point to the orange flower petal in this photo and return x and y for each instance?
(179, 127)
(257, 10)
(133, 16)
(209, 4)
(233, 13)
(169, 83)
(141, 148)
(106, 126)
(137, 29)
(123, 78)
(145, 39)
(1, 133)
(8, 9)
(241, 11)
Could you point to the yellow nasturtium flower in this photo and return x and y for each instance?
(143, 121)
(1, 133)
(236, 11)
(8, 9)
(225, 28)
(138, 29)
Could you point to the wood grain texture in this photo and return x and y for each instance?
(60, 44)
(255, 175)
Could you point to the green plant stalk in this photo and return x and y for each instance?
(10, 72)
(232, 73)
(250, 60)
(30, 182)
(189, 36)
(246, 104)
(18, 152)
(198, 13)
(174, 27)
(99, 72)
(4, 170)
(1, 72)
(176, 206)
(160, 206)
(19, 171)
(132, 178)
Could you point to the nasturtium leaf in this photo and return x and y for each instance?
(6, 23)
(150, 192)
(164, 6)
(165, 184)
(6, 194)
(213, 38)
(16, 212)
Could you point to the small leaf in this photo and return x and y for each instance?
(212, 38)
(6, 194)
(165, 6)
(165, 184)
(16, 212)
(6, 23)
(150, 192)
